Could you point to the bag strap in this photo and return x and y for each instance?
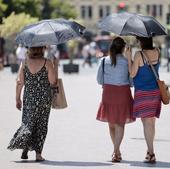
(143, 59)
(153, 69)
(103, 63)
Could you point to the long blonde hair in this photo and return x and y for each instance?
(36, 52)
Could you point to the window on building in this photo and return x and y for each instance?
(89, 11)
(104, 11)
(83, 12)
(154, 14)
(148, 9)
(138, 8)
(107, 10)
(101, 11)
(168, 18)
(86, 12)
(154, 10)
(160, 10)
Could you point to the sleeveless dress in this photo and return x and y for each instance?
(36, 109)
(147, 99)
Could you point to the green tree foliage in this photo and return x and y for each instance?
(32, 7)
(62, 9)
(14, 23)
(43, 9)
(3, 8)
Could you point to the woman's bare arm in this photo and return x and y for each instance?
(52, 72)
(135, 65)
(19, 86)
(132, 65)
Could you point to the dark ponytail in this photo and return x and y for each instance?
(116, 47)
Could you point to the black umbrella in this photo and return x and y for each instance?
(49, 32)
(132, 24)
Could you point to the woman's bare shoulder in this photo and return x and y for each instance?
(137, 55)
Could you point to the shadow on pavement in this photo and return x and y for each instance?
(25, 161)
(67, 163)
(157, 140)
(158, 164)
(75, 163)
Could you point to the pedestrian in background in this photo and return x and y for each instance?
(36, 75)
(15, 60)
(117, 101)
(87, 55)
(168, 60)
(2, 43)
(147, 99)
(21, 53)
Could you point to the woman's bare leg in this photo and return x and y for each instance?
(149, 132)
(116, 134)
(112, 132)
(119, 133)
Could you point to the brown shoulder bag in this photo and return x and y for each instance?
(164, 90)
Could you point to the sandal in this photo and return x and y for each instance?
(118, 155)
(147, 155)
(150, 158)
(116, 158)
(39, 158)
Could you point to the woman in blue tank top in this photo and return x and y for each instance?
(147, 100)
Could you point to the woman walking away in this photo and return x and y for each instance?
(116, 104)
(36, 74)
(147, 99)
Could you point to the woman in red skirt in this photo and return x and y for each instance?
(116, 104)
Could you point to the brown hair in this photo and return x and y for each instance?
(35, 52)
(116, 47)
(146, 43)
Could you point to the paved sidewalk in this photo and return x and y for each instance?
(75, 139)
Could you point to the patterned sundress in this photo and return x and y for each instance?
(36, 109)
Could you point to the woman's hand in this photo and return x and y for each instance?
(55, 62)
(18, 104)
(128, 52)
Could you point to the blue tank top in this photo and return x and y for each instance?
(145, 78)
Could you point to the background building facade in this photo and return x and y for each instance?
(91, 11)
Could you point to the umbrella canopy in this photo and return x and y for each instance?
(49, 32)
(132, 24)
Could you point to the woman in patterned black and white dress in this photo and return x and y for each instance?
(36, 74)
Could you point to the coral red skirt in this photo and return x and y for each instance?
(117, 105)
